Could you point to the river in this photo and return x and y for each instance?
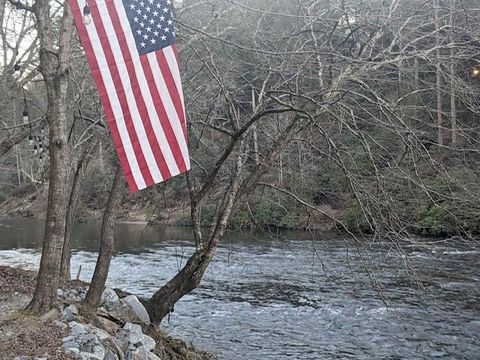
(294, 295)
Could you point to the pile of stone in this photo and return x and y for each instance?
(87, 342)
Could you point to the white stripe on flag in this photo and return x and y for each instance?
(173, 65)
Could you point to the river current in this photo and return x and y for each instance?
(294, 295)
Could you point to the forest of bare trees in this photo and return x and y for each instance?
(357, 116)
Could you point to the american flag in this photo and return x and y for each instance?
(131, 51)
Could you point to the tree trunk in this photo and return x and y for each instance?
(163, 301)
(54, 65)
(453, 95)
(48, 276)
(72, 212)
(105, 254)
(439, 76)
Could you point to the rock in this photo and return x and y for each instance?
(82, 293)
(99, 351)
(70, 313)
(152, 356)
(99, 333)
(77, 329)
(108, 325)
(87, 340)
(50, 316)
(88, 356)
(72, 351)
(137, 338)
(68, 338)
(60, 324)
(133, 328)
(132, 310)
(60, 293)
(71, 345)
(137, 354)
(110, 299)
(110, 355)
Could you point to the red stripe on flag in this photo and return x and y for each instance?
(142, 109)
(165, 119)
(112, 63)
(107, 107)
(184, 124)
(172, 87)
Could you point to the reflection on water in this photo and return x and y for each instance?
(290, 299)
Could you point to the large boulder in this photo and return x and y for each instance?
(132, 310)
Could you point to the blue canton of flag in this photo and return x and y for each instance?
(151, 22)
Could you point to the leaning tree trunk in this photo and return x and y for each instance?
(162, 302)
(54, 68)
(105, 254)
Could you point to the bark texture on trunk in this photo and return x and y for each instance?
(163, 301)
(48, 276)
(54, 65)
(105, 254)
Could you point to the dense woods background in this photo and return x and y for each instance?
(380, 101)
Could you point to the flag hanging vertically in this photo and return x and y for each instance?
(130, 48)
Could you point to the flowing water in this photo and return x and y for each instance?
(296, 295)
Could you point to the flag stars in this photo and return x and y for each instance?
(153, 21)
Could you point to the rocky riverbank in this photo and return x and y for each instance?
(120, 330)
